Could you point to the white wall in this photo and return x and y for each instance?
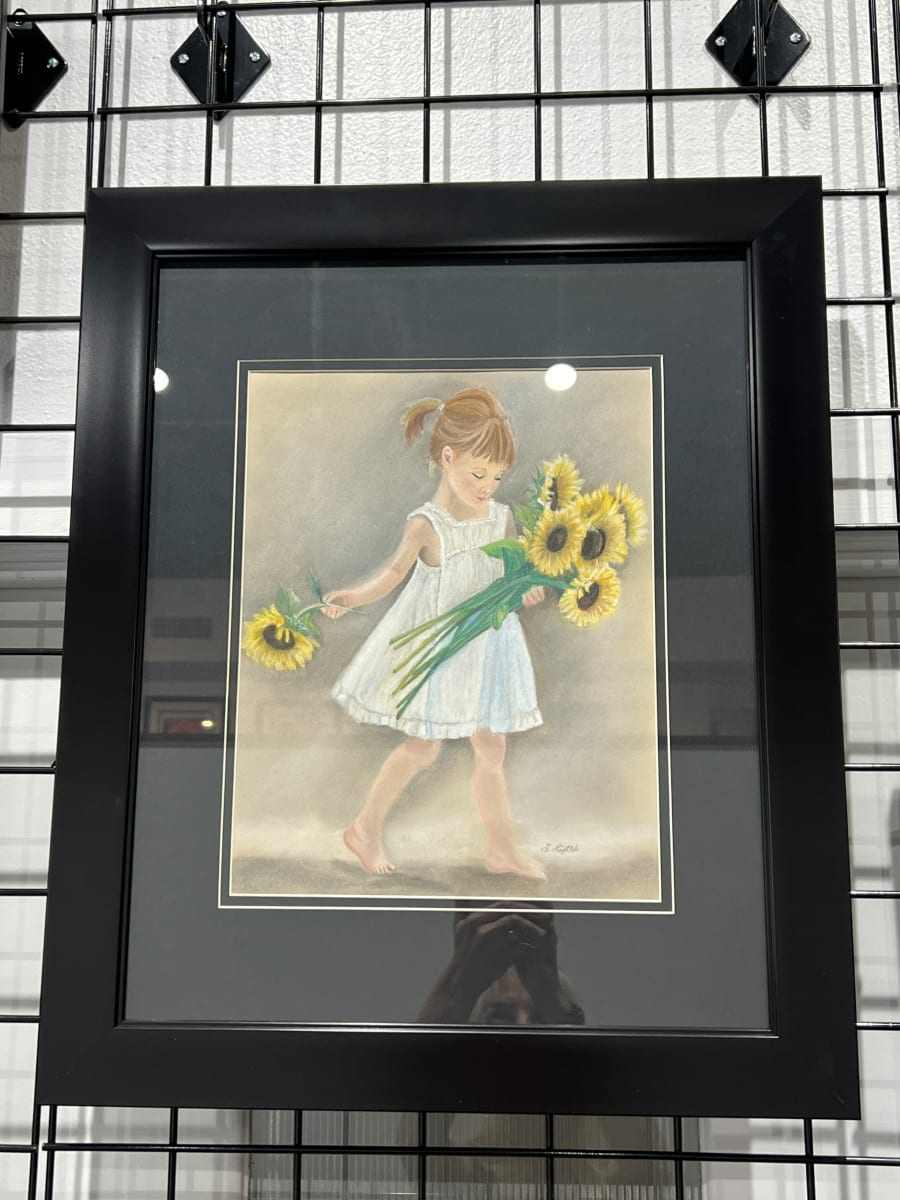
(476, 47)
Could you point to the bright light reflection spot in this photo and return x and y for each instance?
(160, 380)
(207, 724)
(560, 377)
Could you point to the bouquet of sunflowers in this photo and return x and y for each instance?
(572, 543)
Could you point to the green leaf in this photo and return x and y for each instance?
(527, 516)
(506, 548)
(304, 624)
(498, 616)
(286, 601)
(510, 552)
(316, 587)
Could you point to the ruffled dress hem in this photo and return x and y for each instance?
(433, 730)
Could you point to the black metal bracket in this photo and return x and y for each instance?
(733, 42)
(220, 60)
(33, 67)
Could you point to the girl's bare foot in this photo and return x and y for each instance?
(368, 848)
(511, 862)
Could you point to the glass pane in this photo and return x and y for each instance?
(32, 591)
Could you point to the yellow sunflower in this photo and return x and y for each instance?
(590, 597)
(269, 642)
(634, 511)
(604, 542)
(553, 544)
(562, 483)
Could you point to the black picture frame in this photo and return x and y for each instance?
(805, 1062)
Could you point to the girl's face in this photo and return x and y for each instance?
(473, 480)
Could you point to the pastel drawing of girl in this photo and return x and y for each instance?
(486, 690)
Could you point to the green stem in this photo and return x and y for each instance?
(422, 646)
(463, 623)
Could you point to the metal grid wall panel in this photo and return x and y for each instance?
(412, 90)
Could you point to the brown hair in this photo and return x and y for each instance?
(470, 421)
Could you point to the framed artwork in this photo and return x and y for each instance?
(464, 725)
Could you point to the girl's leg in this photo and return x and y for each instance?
(363, 836)
(503, 856)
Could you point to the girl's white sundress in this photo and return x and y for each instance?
(489, 684)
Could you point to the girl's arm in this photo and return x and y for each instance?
(389, 575)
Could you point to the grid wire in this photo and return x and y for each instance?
(44, 1147)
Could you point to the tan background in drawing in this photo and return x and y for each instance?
(330, 482)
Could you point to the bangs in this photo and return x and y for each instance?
(495, 442)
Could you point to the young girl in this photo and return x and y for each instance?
(487, 689)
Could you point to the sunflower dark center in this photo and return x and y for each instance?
(554, 493)
(594, 544)
(588, 599)
(279, 637)
(557, 539)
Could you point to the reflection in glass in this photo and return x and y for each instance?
(503, 971)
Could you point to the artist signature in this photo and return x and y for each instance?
(559, 848)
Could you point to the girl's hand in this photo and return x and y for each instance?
(332, 599)
(535, 596)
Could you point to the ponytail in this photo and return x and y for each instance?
(471, 420)
(415, 416)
